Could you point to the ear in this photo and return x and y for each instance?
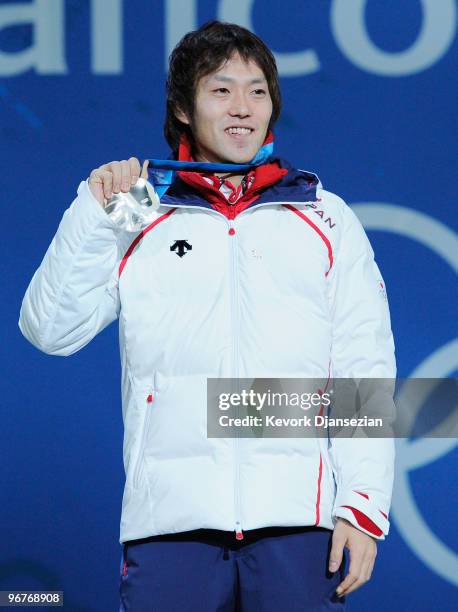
(181, 116)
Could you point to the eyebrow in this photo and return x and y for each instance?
(226, 79)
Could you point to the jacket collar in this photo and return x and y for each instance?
(274, 181)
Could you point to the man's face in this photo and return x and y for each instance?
(232, 110)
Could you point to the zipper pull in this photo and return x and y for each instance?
(239, 535)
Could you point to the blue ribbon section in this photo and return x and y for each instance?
(162, 172)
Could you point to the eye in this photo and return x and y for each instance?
(259, 92)
(221, 90)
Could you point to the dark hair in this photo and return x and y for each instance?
(203, 51)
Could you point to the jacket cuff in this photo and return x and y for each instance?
(362, 513)
(93, 212)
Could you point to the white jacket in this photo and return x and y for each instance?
(293, 292)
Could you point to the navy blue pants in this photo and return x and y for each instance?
(272, 569)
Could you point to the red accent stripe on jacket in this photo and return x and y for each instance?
(128, 253)
(318, 493)
(318, 231)
(363, 494)
(365, 522)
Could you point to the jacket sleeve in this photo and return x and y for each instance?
(74, 293)
(362, 347)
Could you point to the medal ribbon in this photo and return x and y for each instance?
(162, 172)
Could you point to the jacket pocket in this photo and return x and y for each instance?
(145, 401)
(328, 483)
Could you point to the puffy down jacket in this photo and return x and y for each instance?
(289, 288)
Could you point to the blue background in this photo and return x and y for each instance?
(370, 138)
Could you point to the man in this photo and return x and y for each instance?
(276, 279)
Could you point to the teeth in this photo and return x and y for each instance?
(239, 130)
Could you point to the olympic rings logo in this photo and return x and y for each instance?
(412, 454)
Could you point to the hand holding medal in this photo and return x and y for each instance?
(131, 200)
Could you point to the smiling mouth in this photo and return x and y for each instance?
(239, 131)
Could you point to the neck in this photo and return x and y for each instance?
(235, 179)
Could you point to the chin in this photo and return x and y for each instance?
(241, 157)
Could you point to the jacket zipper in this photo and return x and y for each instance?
(238, 523)
(148, 407)
(235, 373)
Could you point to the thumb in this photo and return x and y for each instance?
(336, 554)
(144, 173)
(96, 187)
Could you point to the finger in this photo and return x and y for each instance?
(364, 574)
(107, 179)
(96, 185)
(125, 176)
(336, 554)
(134, 169)
(358, 571)
(346, 584)
(115, 169)
(144, 173)
(354, 571)
(356, 585)
(95, 177)
(370, 568)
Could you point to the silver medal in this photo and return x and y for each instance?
(135, 210)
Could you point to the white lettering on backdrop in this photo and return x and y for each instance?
(46, 55)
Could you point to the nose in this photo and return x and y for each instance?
(239, 106)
